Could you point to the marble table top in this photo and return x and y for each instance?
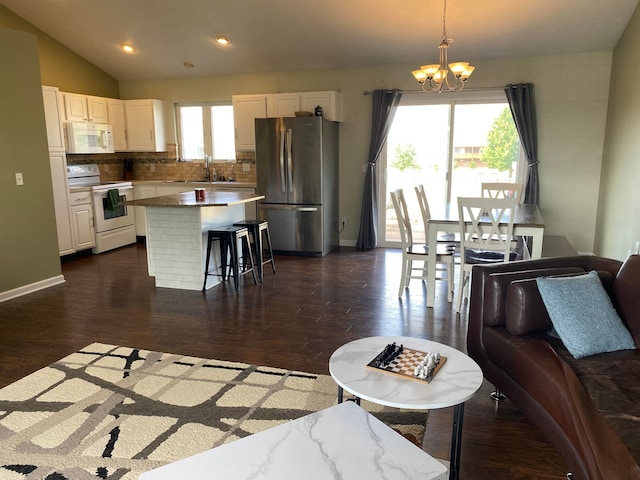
(188, 199)
(457, 381)
(341, 442)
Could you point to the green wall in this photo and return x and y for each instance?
(619, 209)
(59, 66)
(28, 238)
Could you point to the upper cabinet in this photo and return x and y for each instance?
(246, 108)
(115, 108)
(85, 108)
(287, 104)
(52, 116)
(145, 125)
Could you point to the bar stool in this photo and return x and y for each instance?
(258, 228)
(228, 238)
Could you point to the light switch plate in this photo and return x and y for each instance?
(19, 179)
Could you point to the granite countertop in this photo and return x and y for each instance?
(195, 183)
(188, 199)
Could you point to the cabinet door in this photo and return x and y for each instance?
(115, 109)
(97, 109)
(283, 105)
(331, 103)
(142, 191)
(75, 107)
(55, 137)
(83, 229)
(145, 125)
(58, 163)
(246, 108)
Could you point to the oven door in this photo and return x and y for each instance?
(110, 214)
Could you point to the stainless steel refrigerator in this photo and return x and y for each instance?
(297, 172)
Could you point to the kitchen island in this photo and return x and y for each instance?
(177, 228)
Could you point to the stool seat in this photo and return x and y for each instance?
(258, 229)
(228, 237)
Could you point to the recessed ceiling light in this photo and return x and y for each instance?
(127, 48)
(222, 40)
(188, 64)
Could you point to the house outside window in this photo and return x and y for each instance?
(205, 129)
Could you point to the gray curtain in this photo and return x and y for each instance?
(384, 103)
(520, 98)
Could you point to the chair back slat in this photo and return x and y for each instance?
(502, 190)
(486, 224)
(424, 209)
(402, 214)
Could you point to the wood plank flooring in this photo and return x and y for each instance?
(294, 320)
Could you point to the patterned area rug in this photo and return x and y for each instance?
(113, 412)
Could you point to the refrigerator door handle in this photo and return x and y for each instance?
(282, 180)
(307, 209)
(289, 159)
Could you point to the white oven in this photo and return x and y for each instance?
(114, 220)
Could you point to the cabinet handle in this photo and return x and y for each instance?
(150, 134)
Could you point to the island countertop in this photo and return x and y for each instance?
(188, 200)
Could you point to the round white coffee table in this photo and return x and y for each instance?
(456, 382)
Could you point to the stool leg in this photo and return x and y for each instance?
(206, 266)
(273, 264)
(234, 262)
(257, 241)
(245, 242)
(223, 256)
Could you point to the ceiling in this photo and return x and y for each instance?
(281, 35)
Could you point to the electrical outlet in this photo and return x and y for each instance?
(246, 167)
(343, 222)
(152, 167)
(19, 179)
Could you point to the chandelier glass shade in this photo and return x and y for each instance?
(439, 77)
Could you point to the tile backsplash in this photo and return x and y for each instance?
(165, 166)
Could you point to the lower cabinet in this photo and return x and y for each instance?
(84, 233)
(58, 163)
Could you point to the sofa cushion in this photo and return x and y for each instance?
(625, 295)
(525, 311)
(583, 316)
(495, 290)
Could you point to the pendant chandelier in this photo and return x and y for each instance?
(435, 77)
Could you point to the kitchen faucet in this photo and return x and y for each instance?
(207, 173)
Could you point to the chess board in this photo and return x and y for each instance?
(405, 364)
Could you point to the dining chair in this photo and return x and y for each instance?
(501, 190)
(412, 252)
(445, 238)
(486, 230)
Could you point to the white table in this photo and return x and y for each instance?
(528, 222)
(456, 382)
(341, 442)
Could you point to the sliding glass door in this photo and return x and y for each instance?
(450, 143)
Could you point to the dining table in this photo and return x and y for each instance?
(527, 222)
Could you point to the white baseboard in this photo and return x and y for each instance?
(32, 287)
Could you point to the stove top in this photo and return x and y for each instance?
(88, 175)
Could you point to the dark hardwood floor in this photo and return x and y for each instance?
(294, 320)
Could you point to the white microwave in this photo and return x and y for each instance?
(85, 137)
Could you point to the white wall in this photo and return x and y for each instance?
(571, 94)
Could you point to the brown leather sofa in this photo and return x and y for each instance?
(589, 409)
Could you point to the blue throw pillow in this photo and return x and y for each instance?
(583, 316)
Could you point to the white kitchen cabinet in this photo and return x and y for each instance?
(145, 125)
(115, 108)
(142, 191)
(283, 105)
(52, 116)
(85, 108)
(287, 104)
(246, 108)
(331, 103)
(84, 234)
(58, 164)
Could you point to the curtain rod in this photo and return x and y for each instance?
(484, 89)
